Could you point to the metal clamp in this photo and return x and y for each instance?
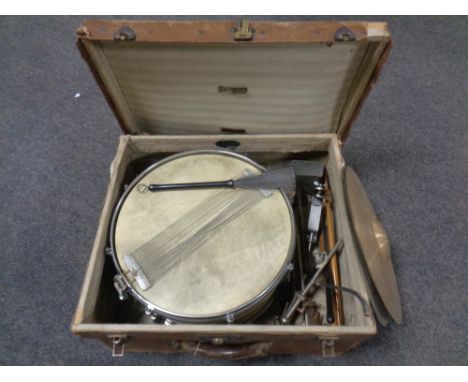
(319, 190)
(328, 346)
(151, 313)
(120, 287)
(118, 345)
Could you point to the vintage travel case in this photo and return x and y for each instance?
(270, 90)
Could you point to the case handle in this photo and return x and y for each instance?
(232, 352)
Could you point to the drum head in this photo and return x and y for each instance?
(232, 272)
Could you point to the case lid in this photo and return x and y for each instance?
(226, 77)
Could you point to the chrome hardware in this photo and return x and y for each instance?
(328, 346)
(229, 318)
(315, 214)
(319, 190)
(118, 345)
(151, 313)
(120, 287)
(217, 341)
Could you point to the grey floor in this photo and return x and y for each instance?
(409, 145)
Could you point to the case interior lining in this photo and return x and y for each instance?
(174, 89)
(138, 147)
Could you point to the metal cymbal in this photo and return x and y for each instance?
(374, 246)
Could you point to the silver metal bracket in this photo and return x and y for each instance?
(120, 287)
(315, 214)
(151, 313)
(118, 344)
(328, 346)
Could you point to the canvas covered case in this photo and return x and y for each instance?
(271, 90)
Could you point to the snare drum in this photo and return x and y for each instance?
(232, 276)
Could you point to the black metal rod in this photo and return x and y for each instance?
(329, 293)
(191, 186)
(329, 297)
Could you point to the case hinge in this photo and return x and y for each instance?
(125, 34)
(118, 344)
(344, 34)
(328, 346)
(243, 31)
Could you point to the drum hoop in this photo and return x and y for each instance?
(194, 318)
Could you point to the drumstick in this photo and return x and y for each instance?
(334, 268)
(283, 178)
(299, 233)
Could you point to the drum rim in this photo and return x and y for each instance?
(226, 315)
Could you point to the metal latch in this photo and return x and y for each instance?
(118, 344)
(328, 346)
(243, 31)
